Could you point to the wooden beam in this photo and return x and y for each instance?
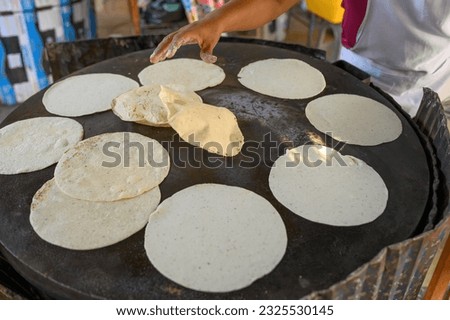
(439, 287)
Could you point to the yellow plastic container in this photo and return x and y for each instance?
(329, 10)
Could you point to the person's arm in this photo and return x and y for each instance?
(236, 15)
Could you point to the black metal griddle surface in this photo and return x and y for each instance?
(317, 255)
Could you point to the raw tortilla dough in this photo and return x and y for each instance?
(112, 166)
(84, 225)
(215, 238)
(282, 78)
(212, 128)
(86, 94)
(347, 192)
(152, 105)
(34, 144)
(354, 119)
(193, 74)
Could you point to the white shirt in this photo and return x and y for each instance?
(405, 46)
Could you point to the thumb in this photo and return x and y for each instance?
(206, 53)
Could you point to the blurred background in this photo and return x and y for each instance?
(132, 17)
(27, 27)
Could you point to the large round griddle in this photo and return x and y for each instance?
(317, 255)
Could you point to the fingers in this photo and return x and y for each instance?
(160, 53)
(177, 42)
(208, 57)
(170, 45)
(190, 34)
(206, 52)
(173, 48)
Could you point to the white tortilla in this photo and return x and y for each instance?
(34, 144)
(193, 74)
(86, 94)
(215, 238)
(85, 225)
(345, 193)
(354, 119)
(108, 168)
(151, 105)
(283, 78)
(212, 128)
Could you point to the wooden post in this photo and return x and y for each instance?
(439, 286)
(135, 17)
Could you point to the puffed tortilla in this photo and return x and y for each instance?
(152, 105)
(84, 225)
(193, 74)
(324, 186)
(283, 78)
(215, 238)
(112, 166)
(354, 119)
(86, 94)
(212, 128)
(34, 144)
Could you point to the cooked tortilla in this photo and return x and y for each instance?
(85, 94)
(34, 144)
(112, 166)
(152, 105)
(212, 128)
(83, 225)
(282, 78)
(324, 186)
(193, 74)
(354, 119)
(215, 238)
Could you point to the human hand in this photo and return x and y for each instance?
(205, 34)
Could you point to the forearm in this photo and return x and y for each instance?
(241, 15)
(236, 15)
